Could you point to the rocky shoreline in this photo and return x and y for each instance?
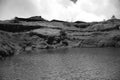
(21, 34)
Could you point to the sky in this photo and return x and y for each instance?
(67, 10)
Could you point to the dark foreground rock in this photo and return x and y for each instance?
(37, 33)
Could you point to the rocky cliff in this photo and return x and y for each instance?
(34, 33)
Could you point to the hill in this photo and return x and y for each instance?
(28, 34)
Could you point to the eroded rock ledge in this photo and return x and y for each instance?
(19, 35)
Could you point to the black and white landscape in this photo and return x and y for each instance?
(59, 40)
(34, 33)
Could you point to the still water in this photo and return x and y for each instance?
(63, 64)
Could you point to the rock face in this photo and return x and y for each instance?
(16, 38)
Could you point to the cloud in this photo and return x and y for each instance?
(82, 10)
(11, 8)
(74, 1)
(86, 10)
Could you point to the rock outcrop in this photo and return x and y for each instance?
(16, 38)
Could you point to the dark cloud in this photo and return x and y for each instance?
(74, 1)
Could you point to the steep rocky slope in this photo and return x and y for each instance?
(26, 34)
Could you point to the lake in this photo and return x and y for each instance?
(63, 64)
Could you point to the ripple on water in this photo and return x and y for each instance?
(63, 64)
